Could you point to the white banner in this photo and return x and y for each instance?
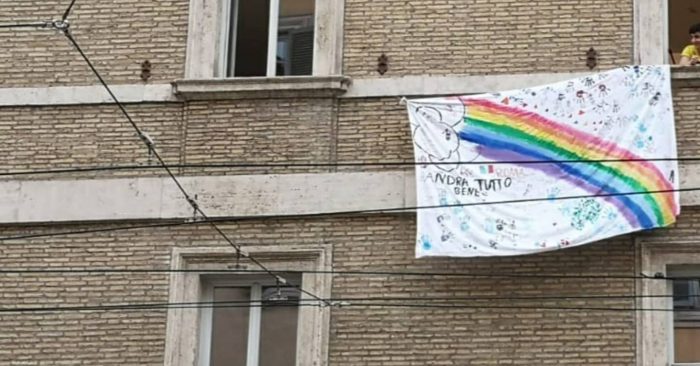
(547, 167)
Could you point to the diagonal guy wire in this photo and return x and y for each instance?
(186, 195)
(67, 12)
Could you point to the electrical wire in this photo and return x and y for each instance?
(110, 271)
(106, 230)
(88, 169)
(330, 214)
(149, 144)
(68, 10)
(384, 299)
(26, 25)
(348, 302)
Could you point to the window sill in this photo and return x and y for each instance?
(261, 87)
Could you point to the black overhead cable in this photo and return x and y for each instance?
(442, 299)
(349, 302)
(88, 169)
(366, 272)
(27, 25)
(64, 28)
(55, 24)
(67, 12)
(387, 210)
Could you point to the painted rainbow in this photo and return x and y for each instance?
(502, 130)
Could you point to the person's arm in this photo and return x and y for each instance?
(688, 56)
(685, 61)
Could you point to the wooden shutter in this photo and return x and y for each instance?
(302, 51)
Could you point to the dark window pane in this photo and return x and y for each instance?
(295, 38)
(686, 295)
(686, 327)
(229, 338)
(278, 328)
(251, 38)
(681, 15)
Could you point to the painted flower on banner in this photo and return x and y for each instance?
(435, 134)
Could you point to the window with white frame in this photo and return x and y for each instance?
(253, 321)
(264, 38)
(663, 334)
(686, 314)
(267, 38)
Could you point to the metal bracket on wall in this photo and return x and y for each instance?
(145, 70)
(382, 64)
(591, 58)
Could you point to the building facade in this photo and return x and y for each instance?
(106, 262)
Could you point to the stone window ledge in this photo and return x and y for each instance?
(261, 87)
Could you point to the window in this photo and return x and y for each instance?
(263, 334)
(661, 29)
(277, 332)
(264, 38)
(668, 338)
(267, 38)
(686, 315)
(681, 15)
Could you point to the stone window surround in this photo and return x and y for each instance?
(655, 328)
(650, 32)
(183, 325)
(203, 38)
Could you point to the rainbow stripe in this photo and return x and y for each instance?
(501, 129)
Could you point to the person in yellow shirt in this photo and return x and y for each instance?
(691, 52)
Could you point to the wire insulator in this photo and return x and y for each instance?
(61, 25)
